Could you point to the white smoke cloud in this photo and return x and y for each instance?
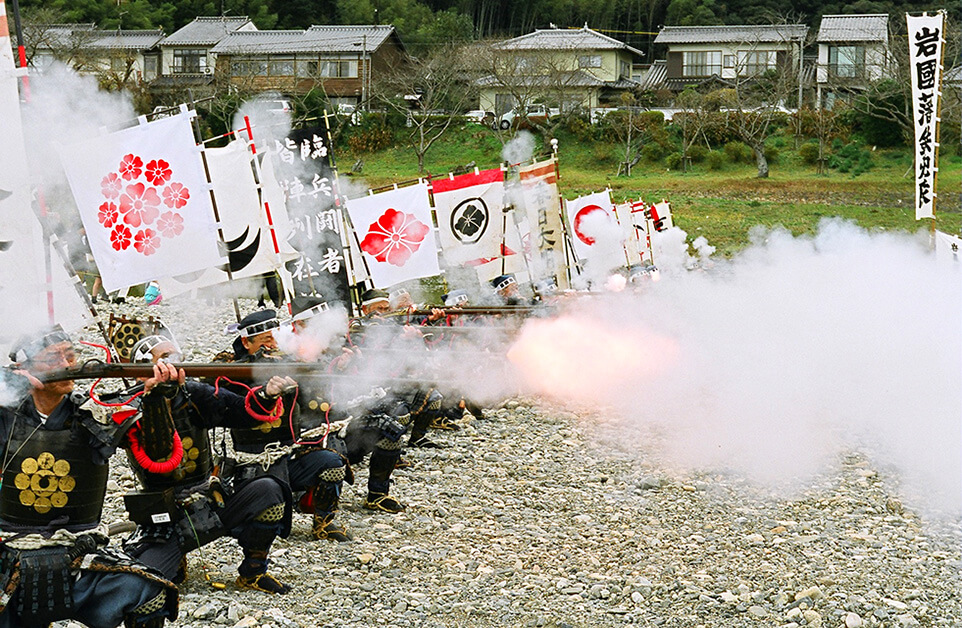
(518, 149)
(774, 363)
(269, 122)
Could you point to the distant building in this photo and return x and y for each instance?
(725, 54)
(187, 57)
(342, 59)
(124, 54)
(853, 50)
(566, 68)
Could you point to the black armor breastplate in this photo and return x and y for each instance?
(253, 440)
(50, 476)
(194, 468)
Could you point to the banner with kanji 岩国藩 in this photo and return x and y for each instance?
(926, 40)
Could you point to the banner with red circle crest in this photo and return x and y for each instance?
(143, 198)
(396, 236)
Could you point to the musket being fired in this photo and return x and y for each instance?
(258, 372)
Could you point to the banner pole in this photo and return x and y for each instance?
(255, 167)
(213, 202)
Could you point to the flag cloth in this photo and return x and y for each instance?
(143, 198)
(636, 235)
(395, 234)
(660, 216)
(542, 204)
(303, 162)
(247, 234)
(596, 236)
(926, 39)
(948, 248)
(470, 218)
(24, 289)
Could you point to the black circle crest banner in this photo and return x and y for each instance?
(470, 219)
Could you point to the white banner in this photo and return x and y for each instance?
(470, 218)
(926, 38)
(595, 233)
(248, 235)
(395, 233)
(542, 203)
(947, 247)
(24, 289)
(144, 201)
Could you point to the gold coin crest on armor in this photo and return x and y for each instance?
(44, 482)
(267, 426)
(187, 464)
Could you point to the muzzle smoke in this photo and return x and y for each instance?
(772, 364)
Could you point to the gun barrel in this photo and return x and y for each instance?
(259, 372)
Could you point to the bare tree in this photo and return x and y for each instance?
(430, 92)
(46, 35)
(758, 99)
(524, 77)
(890, 97)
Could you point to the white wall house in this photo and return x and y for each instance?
(728, 53)
(853, 50)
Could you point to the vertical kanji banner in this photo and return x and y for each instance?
(143, 198)
(470, 219)
(395, 234)
(302, 162)
(926, 39)
(542, 203)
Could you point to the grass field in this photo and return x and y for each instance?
(721, 205)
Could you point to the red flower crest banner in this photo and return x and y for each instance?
(142, 196)
(394, 229)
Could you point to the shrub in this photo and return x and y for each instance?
(370, 140)
(738, 152)
(851, 158)
(601, 153)
(808, 153)
(673, 161)
(716, 160)
(653, 152)
(697, 153)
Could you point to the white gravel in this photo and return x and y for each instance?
(541, 516)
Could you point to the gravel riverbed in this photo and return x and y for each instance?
(539, 515)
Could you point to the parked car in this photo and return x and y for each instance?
(278, 106)
(480, 116)
(349, 111)
(533, 114)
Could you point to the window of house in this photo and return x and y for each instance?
(524, 64)
(589, 61)
(150, 65)
(308, 68)
(755, 62)
(240, 67)
(338, 68)
(189, 61)
(282, 67)
(846, 61)
(625, 70)
(729, 62)
(118, 64)
(702, 63)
